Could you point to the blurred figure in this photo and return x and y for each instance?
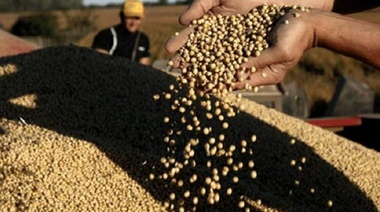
(125, 39)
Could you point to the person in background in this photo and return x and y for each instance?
(324, 26)
(126, 39)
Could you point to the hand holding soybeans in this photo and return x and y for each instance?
(268, 41)
(221, 52)
(289, 39)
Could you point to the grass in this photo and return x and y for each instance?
(317, 73)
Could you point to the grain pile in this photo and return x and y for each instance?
(80, 131)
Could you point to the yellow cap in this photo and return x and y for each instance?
(133, 8)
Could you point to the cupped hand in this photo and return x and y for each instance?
(200, 8)
(289, 39)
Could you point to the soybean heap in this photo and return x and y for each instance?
(83, 131)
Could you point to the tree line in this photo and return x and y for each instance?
(30, 5)
(27, 5)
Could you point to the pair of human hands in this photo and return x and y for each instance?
(288, 41)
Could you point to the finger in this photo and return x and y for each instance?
(175, 42)
(268, 70)
(196, 10)
(265, 76)
(243, 74)
(175, 61)
(266, 58)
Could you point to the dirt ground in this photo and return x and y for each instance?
(12, 45)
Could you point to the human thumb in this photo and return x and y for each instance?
(196, 10)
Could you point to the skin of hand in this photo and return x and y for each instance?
(145, 61)
(103, 51)
(289, 39)
(288, 43)
(317, 28)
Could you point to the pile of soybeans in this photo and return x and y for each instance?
(82, 131)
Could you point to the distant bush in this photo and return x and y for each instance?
(43, 24)
(35, 5)
(78, 25)
(47, 25)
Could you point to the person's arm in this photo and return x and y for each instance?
(145, 61)
(145, 58)
(102, 41)
(101, 51)
(354, 6)
(351, 37)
